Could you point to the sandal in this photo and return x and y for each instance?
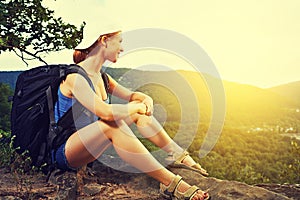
(172, 192)
(178, 163)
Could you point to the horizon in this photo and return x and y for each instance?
(169, 70)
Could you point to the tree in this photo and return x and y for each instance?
(30, 30)
(5, 106)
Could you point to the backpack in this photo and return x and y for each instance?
(32, 114)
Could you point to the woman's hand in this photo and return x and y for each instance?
(145, 99)
(149, 105)
(142, 108)
(139, 107)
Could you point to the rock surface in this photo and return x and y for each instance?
(106, 183)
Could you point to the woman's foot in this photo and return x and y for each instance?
(182, 190)
(189, 161)
(186, 161)
(200, 195)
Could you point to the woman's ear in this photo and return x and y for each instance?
(103, 41)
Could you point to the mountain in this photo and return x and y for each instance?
(256, 105)
(186, 95)
(244, 104)
(290, 90)
(9, 77)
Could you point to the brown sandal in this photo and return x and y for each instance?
(172, 192)
(177, 162)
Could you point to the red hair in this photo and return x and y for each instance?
(79, 56)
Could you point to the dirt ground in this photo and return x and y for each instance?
(25, 186)
(100, 186)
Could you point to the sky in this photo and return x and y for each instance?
(252, 42)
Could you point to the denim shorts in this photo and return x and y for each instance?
(60, 160)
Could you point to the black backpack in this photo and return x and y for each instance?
(32, 115)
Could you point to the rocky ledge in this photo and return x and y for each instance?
(102, 182)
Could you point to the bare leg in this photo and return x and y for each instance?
(89, 142)
(150, 128)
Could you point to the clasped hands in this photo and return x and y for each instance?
(149, 105)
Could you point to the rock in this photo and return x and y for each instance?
(67, 184)
(292, 191)
(120, 191)
(10, 198)
(218, 189)
(227, 190)
(92, 189)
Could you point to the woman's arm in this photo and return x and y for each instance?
(118, 90)
(147, 100)
(81, 90)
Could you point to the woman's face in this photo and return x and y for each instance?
(114, 47)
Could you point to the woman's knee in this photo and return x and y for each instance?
(117, 129)
(143, 120)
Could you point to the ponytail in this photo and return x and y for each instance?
(79, 56)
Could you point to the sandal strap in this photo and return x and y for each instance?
(175, 182)
(190, 193)
(187, 195)
(200, 168)
(181, 157)
(170, 189)
(177, 162)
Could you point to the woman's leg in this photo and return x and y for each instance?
(150, 128)
(89, 142)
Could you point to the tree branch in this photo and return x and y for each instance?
(22, 51)
(21, 56)
(33, 55)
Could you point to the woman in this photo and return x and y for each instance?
(92, 139)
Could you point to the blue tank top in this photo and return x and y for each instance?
(63, 104)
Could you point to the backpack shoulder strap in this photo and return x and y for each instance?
(105, 80)
(73, 68)
(77, 69)
(64, 71)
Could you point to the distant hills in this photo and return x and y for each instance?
(9, 77)
(246, 105)
(263, 106)
(289, 90)
(176, 90)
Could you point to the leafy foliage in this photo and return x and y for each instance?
(5, 106)
(29, 29)
(264, 157)
(5, 150)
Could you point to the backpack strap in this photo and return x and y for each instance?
(105, 80)
(73, 68)
(50, 105)
(77, 107)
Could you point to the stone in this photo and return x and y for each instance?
(227, 190)
(92, 189)
(67, 184)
